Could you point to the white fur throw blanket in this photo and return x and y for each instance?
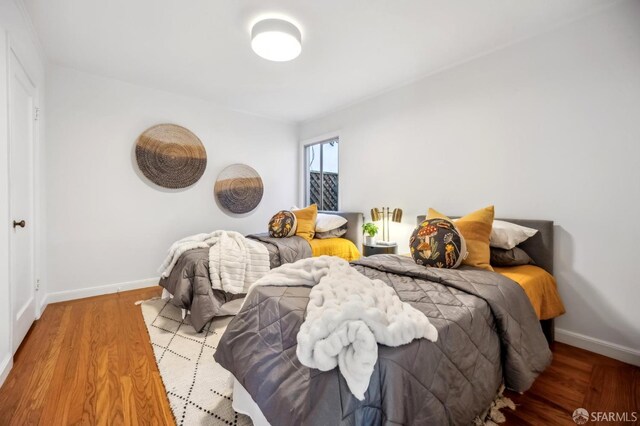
(235, 262)
(347, 316)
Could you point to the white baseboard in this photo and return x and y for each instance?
(602, 347)
(5, 367)
(81, 293)
(43, 304)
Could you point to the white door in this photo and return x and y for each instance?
(21, 187)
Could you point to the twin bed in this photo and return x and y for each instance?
(492, 328)
(536, 280)
(189, 282)
(489, 334)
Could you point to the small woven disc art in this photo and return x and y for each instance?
(239, 188)
(171, 156)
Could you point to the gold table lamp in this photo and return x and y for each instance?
(385, 214)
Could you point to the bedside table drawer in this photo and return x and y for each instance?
(379, 249)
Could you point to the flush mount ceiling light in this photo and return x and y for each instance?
(276, 40)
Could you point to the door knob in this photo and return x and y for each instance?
(21, 224)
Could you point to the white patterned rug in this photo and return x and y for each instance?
(198, 388)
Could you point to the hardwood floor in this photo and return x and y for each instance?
(578, 379)
(89, 362)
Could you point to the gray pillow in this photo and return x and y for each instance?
(334, 233)
(514, 257)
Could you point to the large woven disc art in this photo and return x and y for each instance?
(171, 156)
(239, 188)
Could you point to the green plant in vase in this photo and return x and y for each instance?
(370, 229)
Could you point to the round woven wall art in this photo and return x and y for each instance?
(171, 156)
(239, 188)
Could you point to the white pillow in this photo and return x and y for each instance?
(329, 222)
(507, 235)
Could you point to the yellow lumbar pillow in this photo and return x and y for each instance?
(476, 230)
(306, 219)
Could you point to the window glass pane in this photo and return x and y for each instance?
(330, 176)
(313, 174)
(313, 157)
(330, 157)
(321, 180)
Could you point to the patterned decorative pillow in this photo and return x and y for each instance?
(283, 224)
(437, 243)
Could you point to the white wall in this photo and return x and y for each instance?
(548, 128)
(16, 33)
(107, 225)
(5, 327)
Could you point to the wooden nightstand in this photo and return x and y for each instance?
(380, 249)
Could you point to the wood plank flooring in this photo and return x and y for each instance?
(89, 361)
(578, 379)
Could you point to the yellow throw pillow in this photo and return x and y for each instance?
(306, 219)
(476, 230)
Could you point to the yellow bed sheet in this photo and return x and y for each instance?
(540, 287)
(340, 247)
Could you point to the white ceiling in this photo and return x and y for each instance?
(352, 49)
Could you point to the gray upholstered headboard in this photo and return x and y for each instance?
(354, 226)
(540, 246)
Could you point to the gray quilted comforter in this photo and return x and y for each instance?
(488, 333)
(190, 285)
(283, 250)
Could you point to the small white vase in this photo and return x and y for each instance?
(370, 241)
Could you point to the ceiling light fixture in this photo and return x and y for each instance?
(276, 40)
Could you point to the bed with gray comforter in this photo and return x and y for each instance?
(189, 281)
(488, 334)
(190, 284)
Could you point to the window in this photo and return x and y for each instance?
(321, 174)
